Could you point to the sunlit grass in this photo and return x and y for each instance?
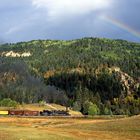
(17, 128)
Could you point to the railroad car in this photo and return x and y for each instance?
(16, 112)
(3, 112)
(45, 113)
(23, 113)
(31, 113)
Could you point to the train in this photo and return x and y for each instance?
(35, 113)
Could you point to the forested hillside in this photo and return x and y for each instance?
(92, 75)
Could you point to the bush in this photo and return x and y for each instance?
(42, 103)
(77, 106)
(7, 102)
(107, 111)
(93, 110)
(86, 106)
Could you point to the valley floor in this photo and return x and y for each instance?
(17, 128)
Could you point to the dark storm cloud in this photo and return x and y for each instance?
(48, 19)
(128, 11)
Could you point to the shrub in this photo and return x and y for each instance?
(7, 102)
(107, 111)
(77, 106)
(42, 103)
(93, 110)
(86, 106)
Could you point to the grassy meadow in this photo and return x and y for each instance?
(54, 128)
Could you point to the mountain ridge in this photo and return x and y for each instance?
(101, 71)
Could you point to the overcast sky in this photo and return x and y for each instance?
(23, 20)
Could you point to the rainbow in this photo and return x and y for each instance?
(122, 25)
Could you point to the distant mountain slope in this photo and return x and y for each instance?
(88, 52)
(77, 71)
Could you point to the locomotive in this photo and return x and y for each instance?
(54, 113)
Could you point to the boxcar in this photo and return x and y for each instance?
(23, 113)
(16, 112)
(3, 112)
(31, 113)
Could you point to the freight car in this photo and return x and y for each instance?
(16, 112)
(23, 113)
(31, 113)
(3, 112)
